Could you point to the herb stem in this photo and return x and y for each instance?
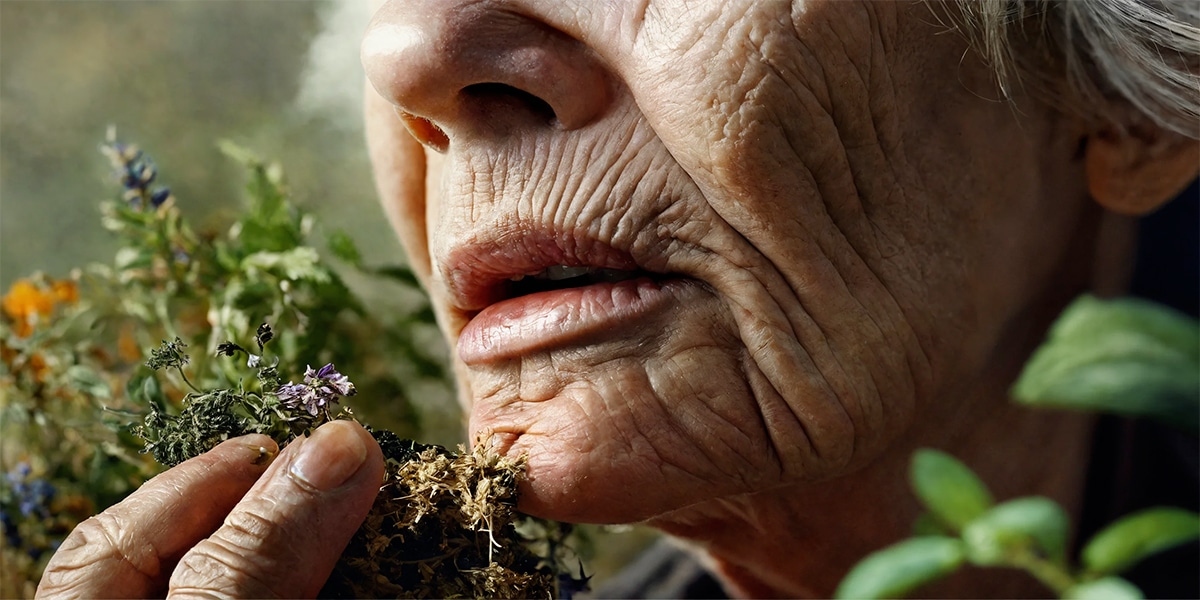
(1052, 575)
(185, 380)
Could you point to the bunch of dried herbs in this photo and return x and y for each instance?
(444, 524)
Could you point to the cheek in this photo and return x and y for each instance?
(398, 163)
(989, 232)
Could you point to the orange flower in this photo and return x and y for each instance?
(65, 291)
(25, 304)
(28, 304)
(37, 364)
(127, 346)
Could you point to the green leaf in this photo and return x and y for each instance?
(1108, 588)
(1089, 315)
(88, 381)
(239, 153)
(1125, 356)
(133, 258)
(902, 568)
(1133, 538)
(343, 247)
(1033, 522)
(269, 223)
(297, 264)
(424, 314)
(951, 492)
(145, 390)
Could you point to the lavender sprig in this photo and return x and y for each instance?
(320, 389)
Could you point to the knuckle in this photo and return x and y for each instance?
(249, 526)
(114, 533)
(217, 569)
(97, 548)
(246, 557)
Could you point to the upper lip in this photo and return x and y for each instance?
(477, 274)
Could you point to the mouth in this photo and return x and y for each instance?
(514, 264)
(559, 277)
(546, 289)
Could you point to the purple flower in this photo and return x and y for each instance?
(160, 196)
(33, 496)
(320, 389)
(19, 473)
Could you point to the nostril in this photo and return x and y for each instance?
(494, 95)
(425, 131)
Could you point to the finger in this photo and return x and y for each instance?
(283, 539)
(130, 549)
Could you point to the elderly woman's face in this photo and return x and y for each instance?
(689, 249)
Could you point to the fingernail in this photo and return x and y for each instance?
(330, 456)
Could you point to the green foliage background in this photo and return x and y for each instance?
(176, 77)
(281, 78)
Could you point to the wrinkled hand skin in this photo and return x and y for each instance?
(225, 524)
(878, 240)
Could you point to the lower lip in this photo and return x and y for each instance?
(557, 318)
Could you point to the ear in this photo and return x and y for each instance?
(1134, 170)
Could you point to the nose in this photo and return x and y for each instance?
(472, 69)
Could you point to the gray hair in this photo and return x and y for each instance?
(1087, 53)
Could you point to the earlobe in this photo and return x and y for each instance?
(1136, 170)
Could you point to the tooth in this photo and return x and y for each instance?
(516, 278)
(558, 272)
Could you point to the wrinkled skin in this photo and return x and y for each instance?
(874, 243)
(863, 245)
(864, 229)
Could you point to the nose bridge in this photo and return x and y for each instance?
(467, 65)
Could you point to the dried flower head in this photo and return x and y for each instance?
(444, 524)
(320, 389)
(442, 527)
(168, 355)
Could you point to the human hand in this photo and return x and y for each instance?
(230, 522)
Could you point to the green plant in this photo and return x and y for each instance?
(964, 526)
(1126, 356)
(1123, 356)
(74, 376)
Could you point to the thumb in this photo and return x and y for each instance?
(284, 537)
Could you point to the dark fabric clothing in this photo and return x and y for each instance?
(662, 571)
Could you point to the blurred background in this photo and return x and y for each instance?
(281, 78)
